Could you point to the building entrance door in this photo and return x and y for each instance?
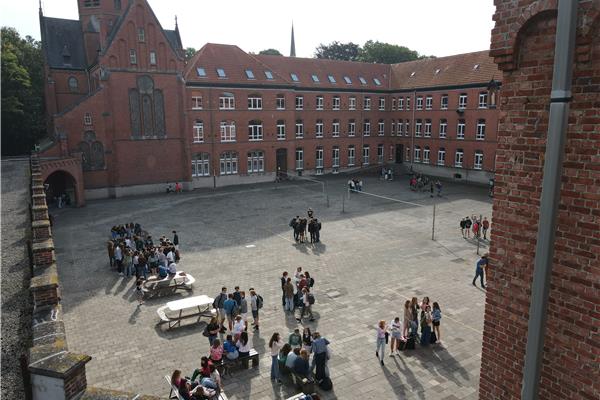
(281, 157)
(399, 153)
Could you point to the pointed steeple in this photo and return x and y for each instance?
(293, 44)
(40, 11)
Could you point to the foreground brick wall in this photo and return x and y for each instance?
(523, 47)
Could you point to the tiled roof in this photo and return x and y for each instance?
(63, 37)
(460, 69)
(173, 39)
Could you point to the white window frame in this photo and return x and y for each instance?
(366, 103)
(299, 130)
(198, 132)
(196, 102)
(319, 161)
(250, 74)
(299, 103)
(427, 132)
(418, 127)
(141, 33)
(400, 129)
(393, 128)
(335, 157)
(299, 159)
(428, 102)
(441, 157)
(381, 128)
(255, 131)
(319, 129)
(419, 103)
(228, 163)
(407, 128)
(417, 158)
(459, 158)
(461, 127)
(483, 100)
(462, 101)
(366, 127)
(380, 154)
(256, 162)
(352, 103)
(478, 160)
(443, 128)
(254, 103)
(444, 102)
(393, 104)
(351, 155)
(336, 103)
(228, 131)
(335, 128)
(152, 58)
(408, 154)
(319, 103)
(366, 153)
(201, 165)
(382, 104)
(227, 103)
(407, 103)
(87, 118)
(221, 74)
(132, 57)
(480, 133)
(281, 130)
(280, 102)
(426, 153)
(400, 103)
(351, 128)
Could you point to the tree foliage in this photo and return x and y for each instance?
(189, 53)
(270, 52)
(338, 51)
(23, 108)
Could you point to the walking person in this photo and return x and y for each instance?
(294, 225)
(438, 186)
(380, 344)
(481, 263)
(254, 305)
(396, 333)
(176, 240)
(288, 293)
(436, 317)
(468, 224)
(485, 225)
(275, 345)
(311, 230)
(463, 224)
(139, 291)
(317, 231)
(307, 301)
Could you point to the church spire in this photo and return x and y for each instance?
(293, 44)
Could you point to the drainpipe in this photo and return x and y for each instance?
(544, 251)
(412, 133)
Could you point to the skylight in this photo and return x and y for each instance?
(201, 71)
(377, 82)
(412, 74)
(476, 66)
(315, 78)
(437, 71)
(348, 80)
(221, 73)
(294, 77)
(331, 78)
(250, 74)
(362, 80)
(269, 74)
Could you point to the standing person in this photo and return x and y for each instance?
(463, 224)
(317, 231)
(481, 263)
(407, 318)
(307, 301)
(119, 259)
(468, 224)
(424, 303)
(319, 350)
(288, 293)
(139, 291)
(436, 317)
(431, 189)
(294, 225)
(380, 344)
(275, 345)
(486, 225)
(414, 308)
(475, 228)
(302, 229)
(283, 279)
(218, 304)
(254, 306)
(306, 339)
(426, 326)
(438, 186)
(244, 309)
(229, 306)
(310, 213)
(212, 330)
(310, 282)
(237, 297)
(396, 330)
(176, 240)
(311, 230)
(110, 247)
(295, 339)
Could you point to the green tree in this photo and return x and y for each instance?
(270, 52)
(23, 108)
(189, 53)
(385, 53)
(338, 51)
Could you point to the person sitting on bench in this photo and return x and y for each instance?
(163, 272)
(291, 357)
(301, 366)
(231, 352)
(187, 390)
(172, 269)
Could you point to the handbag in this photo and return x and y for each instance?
(205, 332)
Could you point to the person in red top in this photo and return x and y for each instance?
(475, 228)
(486, 225)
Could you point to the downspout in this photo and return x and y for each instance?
(544, 251)
(412, 133)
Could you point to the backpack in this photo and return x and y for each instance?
(325, 384)
(311, 299)
(292, 222)
(259, 301)
(312, 282)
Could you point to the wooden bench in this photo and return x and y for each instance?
(228, 365)
(306, 385)
(174, 392)
(155, 286)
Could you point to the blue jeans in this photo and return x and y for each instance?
(425, 335)
(211, 339)
(274, 367)
(289, 303)
(380, 349)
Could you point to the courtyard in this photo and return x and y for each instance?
(375, 254)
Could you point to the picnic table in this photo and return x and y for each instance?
(174, 311)
(155, 285)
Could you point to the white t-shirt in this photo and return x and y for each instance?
(243, 348)
(172, 268)
(171, 257)
(396, 326)
(238, 327)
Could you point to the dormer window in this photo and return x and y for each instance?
(250, 74)
(315, 78)
(331, 78)
(221, 73)
(294, 77)
(348, 80)
(66, 54)
(73, 84)
(269, 75)
(362, 80)
(201, 72)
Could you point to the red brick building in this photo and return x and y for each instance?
(121, 98)
(523, 43)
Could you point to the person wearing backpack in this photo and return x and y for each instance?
(218, 304)
(307, 301)
(256, 303)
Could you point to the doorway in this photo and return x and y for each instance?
(399, 153)
(281, 157)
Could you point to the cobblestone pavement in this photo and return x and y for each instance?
(373, 256)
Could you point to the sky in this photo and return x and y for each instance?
(431, 27)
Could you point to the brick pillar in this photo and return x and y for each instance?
(39, 199)
(43, 253)
(39, 212)
(41, 230)
(57, 376)
(37, 189)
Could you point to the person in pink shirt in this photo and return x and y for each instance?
(216, 351)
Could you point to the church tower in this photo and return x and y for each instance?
(98, 17)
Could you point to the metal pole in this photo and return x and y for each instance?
(343, 200)
(433, 224)
(544, 251)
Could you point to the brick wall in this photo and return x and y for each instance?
(523, 47)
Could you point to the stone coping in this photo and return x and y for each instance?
(42, 245)
(40, 207)
(39, 195)
(93, 393)
(53, 360)
(43, 277)
(40, 223)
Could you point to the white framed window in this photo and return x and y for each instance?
(200, 165)
(294, 77)
(366, 154)
(280, 102)
(400, 125)
(351, 128)
(336, 102)
(393, 128)
(269, 75)
(335, 128)
(228, 131)
(227, 102)
(299, 159)
(256, 162)
(407, 103)
(444, 102)
(400, 103)
(380, 155)
(221, 73)
(462, 101)
(132, 57)
(196, 102)
(315, 78)
(393, 103)
(352, 103)
(366, 103)
(418, 127)
(281, 130)
(362, 80)
(141, 35)
(458, 158)
(87, 118)
(255, 130)
(443, 128)
(319, 158)
(351, 155)
(478, 162)
(348, 80)
(319, 103)
(254, 103)
(419, 102)
(381, 128)
(319, 129)
(229, 163)
(441, 157)
(198, 131)
(299, 129)
(483, 100)
(427, 133)
(335, 157)
(331, 78)
(417, 154)
(201, 72)
(250, 74)
(480, 135)
(426, 153)
(299, 103)
(428, 102)
(407, 128)
(366, 127)
(460, 129)
(152, 58)
(382, 103)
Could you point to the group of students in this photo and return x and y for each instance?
(404, 333)
(234, 307)
(205, 383)
(478, 226)
(422, 182)
(301, 225)
(296, 293)
(355, 185)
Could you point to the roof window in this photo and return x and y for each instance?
(348, 80)
(331, 78)
(437, 71)
(294, 77)
(269, 74)
(250, 74)
(201, 71)
(412, 74)
(221, 73)
(377, 81)
(315, 78)
(362, 80)
(476, 66)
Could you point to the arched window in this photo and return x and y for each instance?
(73, 84)
(227, 131)
(146, 109)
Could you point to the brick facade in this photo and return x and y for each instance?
(523, 47)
